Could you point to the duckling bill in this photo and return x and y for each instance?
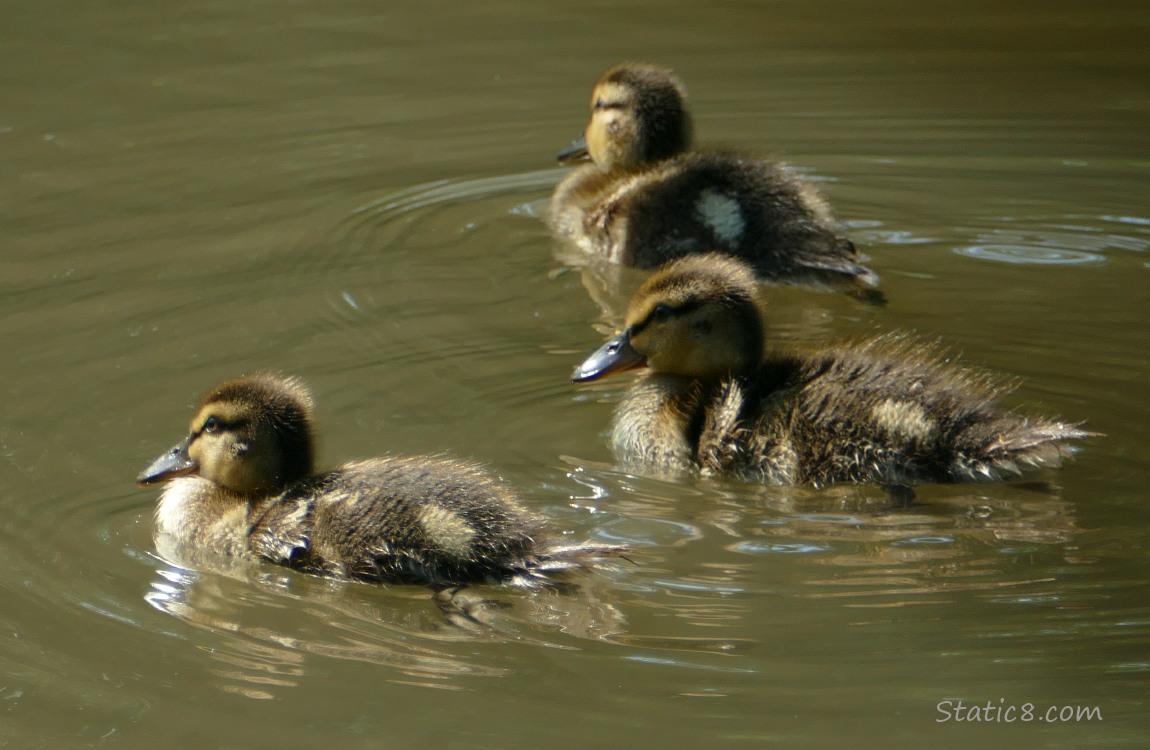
(886, 411)
(242, 484)
(646, 198)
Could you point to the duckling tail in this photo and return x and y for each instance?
(558, 558)
(547, 567)
(1022, 443)
(842, 270)
(1031, 436)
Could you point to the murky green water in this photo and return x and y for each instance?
(352, 192)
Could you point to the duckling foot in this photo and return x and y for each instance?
(1039, 486)
(901, 495)
(868, 295)
(465, 612)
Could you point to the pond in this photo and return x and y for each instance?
(355, 193)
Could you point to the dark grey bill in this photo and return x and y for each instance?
(174, 463)
(575, 153)
(614, 356)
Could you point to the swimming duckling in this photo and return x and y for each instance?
(883, 411)
(241, 484)
(646, 199)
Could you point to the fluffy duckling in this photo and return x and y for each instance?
(645, 198)
(884, 411)
(242, 484)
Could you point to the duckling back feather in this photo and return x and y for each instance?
(887, 411)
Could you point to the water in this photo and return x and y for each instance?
(353, 193)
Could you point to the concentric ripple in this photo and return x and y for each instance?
(1068, 240)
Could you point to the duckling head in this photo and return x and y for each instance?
(638, 115)
(251, 436)
(697, 317)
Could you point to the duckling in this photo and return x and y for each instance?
(242, 484)
(885, 411)
(645, 198)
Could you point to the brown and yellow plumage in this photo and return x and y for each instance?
(888, 411)
(645, 198)
(242, 484)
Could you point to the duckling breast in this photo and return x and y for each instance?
(650, 424)
(193, 512)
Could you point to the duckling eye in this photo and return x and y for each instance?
(212, 425)
(661, 313)
(600, 104)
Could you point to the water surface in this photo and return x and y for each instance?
(354, 193)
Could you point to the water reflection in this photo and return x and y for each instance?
(856, 544)
(272, 621)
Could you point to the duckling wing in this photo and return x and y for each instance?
(720, 441)
(305, 527)
(357, 521)
(282, 534)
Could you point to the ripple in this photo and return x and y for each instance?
(919, 541)
(633, 532)
(684, 664)
(413, 218)
(425, 288)
(1071, 239)
(1024, 254)
(770, 548)
(448, 191)
(1133, 220)
(371, 273)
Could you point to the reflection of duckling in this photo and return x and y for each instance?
(646, 199)
(242, 484)
(884, 411)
